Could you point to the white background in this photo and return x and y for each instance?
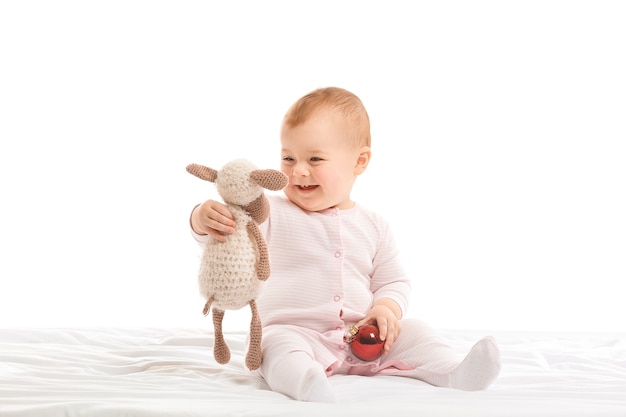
(498, 128)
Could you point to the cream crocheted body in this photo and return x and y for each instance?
(228, 269)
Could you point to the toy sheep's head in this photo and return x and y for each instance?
(241, 183)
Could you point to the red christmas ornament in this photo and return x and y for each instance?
(365, 342)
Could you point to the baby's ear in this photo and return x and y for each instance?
(363, 160)
(202, 172)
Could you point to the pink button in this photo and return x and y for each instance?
(337, 298)
(337, 254)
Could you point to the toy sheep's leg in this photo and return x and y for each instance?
(207, 306)
(254, 357)
(221, 352)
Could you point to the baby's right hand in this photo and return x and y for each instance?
(212, 218)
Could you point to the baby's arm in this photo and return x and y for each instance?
(212, 218)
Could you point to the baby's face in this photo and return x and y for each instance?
(321, 161)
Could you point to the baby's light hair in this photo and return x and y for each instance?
(333, 98)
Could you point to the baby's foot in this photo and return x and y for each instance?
(317, 388)
(480, 367)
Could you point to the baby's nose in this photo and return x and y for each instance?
(300, 170)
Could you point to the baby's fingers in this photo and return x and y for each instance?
(389, 340)
(223, 215)
(216, 219)
(388, 332)
(220, 223)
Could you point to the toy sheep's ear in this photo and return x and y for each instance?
(270, 179)
(202, 172)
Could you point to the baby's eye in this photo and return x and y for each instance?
(316, 159)
(287, 158)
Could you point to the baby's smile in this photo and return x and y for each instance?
(306, 187)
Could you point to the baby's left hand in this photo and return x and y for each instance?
(383, 315)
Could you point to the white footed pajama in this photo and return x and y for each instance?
(297, 362)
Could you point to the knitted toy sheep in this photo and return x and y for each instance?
(231, 272)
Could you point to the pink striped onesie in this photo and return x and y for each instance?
(327, 269)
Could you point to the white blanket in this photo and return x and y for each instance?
(171, 372)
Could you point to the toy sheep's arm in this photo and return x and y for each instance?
(263, 264)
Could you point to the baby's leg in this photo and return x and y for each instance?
(289, 367)
(431, 359)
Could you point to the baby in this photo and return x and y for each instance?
(334, 264)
